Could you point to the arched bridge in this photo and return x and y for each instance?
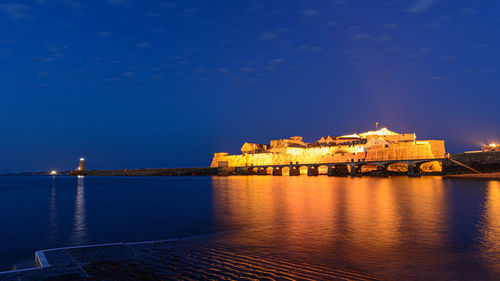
(413, 168)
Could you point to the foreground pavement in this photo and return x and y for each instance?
(193, 259)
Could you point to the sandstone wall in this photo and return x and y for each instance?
(437, 148)
(334, 154)
(400, 151)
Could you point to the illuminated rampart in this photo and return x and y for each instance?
(381, 145)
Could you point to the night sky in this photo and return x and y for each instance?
(131, 84)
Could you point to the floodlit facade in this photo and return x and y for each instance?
(380, 145)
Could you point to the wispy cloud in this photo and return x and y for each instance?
(284, 29)
(104, 33)
(277, 61)
(16, 11)
(223, 70)
(420, 6)
(68, 3)
(119, 2)
(425, 51)
(72, 4)
(480, 46)
(247, 70)
(390, 26)
(153, 15)
(468, 12)
(383, 38)
(144, 45)
(449, 58)
(309, 12)
(339, 2)
(440, 78)
(167, 5)
(316, 49)
(188, 13)
(361, 36)
(267, 36)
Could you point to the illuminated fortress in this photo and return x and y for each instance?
(380, 145)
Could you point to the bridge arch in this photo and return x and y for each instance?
(269, 170)
(322, 169)
(285, 171)
(367, 167)
(429, 166)
(397, 167)
(342, 169)
(303, 169)
(251, 170)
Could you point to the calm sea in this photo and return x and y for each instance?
(390, 228)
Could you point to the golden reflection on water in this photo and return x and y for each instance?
(490, 228)
(356, 221)
(79, 235)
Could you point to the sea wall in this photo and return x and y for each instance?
(149, 172)
(483, 162)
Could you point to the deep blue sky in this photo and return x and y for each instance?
(131, 84)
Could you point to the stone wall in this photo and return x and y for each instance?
(407, 150)
(484, 162)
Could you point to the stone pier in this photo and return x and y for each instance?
(412, 170)
(354, 170)
(330, 170)
(294, 170)
(312, 170)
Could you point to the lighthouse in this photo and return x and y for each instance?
(81, 166)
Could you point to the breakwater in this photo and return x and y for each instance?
(149, 172)
(484, 162)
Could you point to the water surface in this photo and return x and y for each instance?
(399, 227)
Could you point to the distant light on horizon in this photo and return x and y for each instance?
(491, 147)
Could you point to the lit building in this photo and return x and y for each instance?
(380, 145)
(490, 147)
